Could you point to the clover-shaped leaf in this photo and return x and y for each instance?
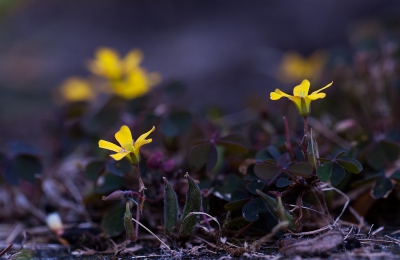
(233, 143)
(251, 211)
(302, 169)
(333, 171)
(266, 171)
(383, 186)
(255, 185)
(204, 153)
(176, 123)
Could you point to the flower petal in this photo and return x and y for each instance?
(278, 94)
(145, 135)
(109, 146)
(327, 86)
(316, 96)
(142, 141)
(124, 137)
(302, 89)
(119, 156)
(132, 60)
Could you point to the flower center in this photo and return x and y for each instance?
(301, 94)
(127, 147)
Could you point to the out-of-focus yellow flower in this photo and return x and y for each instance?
(128, 148)
(109, 64)
(135, 84)
(77, 89)
(300, 97)
(294, 67)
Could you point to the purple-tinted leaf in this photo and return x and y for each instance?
(266, 171)
(302, 169)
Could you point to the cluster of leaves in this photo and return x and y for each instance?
(247, 176)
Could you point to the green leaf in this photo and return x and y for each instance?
(274, 152)
(263, 154)
(396, 175)
(238, 195)
(120, 168)
(193, 204)
(176, 123)
(111, 183)
(252, 209)
(323, 160)
(128, 224)
(382, 188)
(283, 182)
(234, 143)
(338, 174)
(94, 169)
(324, 172)
(313, 151)
(376, 157)
(235, 205)
(368, 180)
(204, 153)
(272, 206)
(340, 154)
(171, 208)
(266, 171)
(382, 152)
(22, 166)
(350, 164)
(112, 223)
(391, 149)
(302, 169)
(255, 185)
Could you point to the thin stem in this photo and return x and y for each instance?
(287, 143)
(305, 125)
(304, 142)
(137, 223)
(141, 200)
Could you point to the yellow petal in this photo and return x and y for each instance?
(145, 135)
(124, 137)
(142, 141)
(136, 84)
(77, 89)
(316, 96)
(296, 100)
(132, 60)
(106, 64)
(278, 94)
(119, 156)
(327, 86)
(302, 89)
(109, 146)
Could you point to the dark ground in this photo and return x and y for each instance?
(223, 50)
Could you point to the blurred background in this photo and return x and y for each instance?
(226, 52)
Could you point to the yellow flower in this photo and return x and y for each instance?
(135, 84)
(300, 97)
(295, 67)
(108, 64)
(128, 148)
(77, 89)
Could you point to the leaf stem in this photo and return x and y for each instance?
(287, 143)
